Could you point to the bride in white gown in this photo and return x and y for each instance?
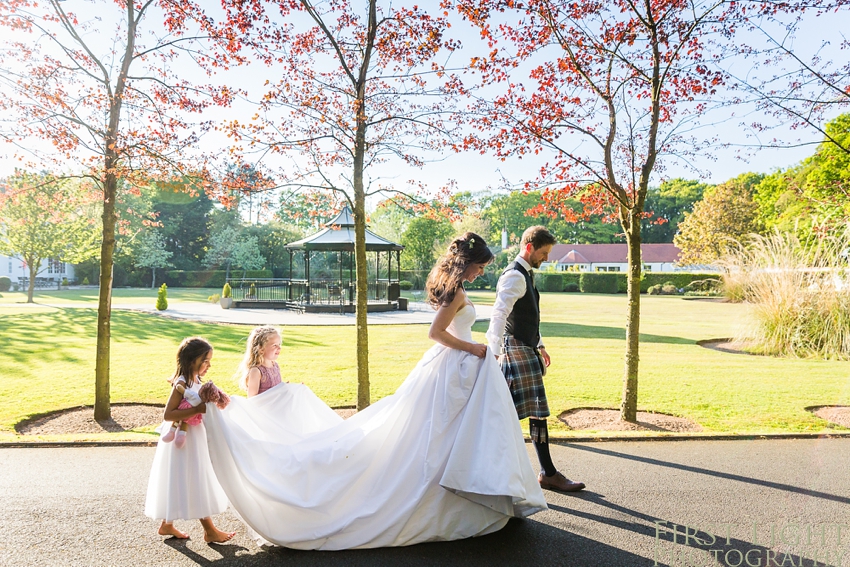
(441, 459)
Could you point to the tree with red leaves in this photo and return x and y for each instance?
(357, 85)
(607, 88)
(100, 86)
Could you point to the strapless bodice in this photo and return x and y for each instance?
(461, 325)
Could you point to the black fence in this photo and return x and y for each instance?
(315, 292)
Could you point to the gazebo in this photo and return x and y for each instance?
(321, 275)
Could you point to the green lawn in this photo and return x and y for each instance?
(47, 360)
(88, 295)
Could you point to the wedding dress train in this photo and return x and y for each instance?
(441, 459)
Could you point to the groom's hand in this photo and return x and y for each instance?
(546, 360)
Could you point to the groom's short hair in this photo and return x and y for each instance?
(538, 236)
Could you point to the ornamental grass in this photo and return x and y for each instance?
(799, 291)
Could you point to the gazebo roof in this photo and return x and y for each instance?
(339, 235)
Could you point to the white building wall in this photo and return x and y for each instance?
(15, 268)
(621, 267)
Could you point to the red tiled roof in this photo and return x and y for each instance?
(611, 253)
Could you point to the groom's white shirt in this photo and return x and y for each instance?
(510, 288)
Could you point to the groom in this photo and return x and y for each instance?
(515, 333)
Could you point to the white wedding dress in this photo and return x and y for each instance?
(441, 459)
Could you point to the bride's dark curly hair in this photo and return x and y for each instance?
(446, 277)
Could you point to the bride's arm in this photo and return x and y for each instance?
(443, 319)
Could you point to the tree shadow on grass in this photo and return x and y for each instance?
(570, 330)
(24, 335)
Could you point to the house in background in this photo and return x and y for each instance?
(51, 270)
(612, 258)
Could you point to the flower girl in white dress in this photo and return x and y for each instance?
(182, 485)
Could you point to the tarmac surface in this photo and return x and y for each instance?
(417, 313)
(736, 503)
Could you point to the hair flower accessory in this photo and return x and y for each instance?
(471, 242)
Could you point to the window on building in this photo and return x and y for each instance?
(647, 268)
(55, 267)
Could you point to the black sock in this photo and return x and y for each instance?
(539, 432)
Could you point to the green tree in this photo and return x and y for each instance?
(420, 242)
(390, 220)
(271, 239)
(151, 253)
(185, 218)
(668, 204)
(44, 218)
(726, 213)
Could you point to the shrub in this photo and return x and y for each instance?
(226, 291)
(654, 289)
(85, 281)
(5, 283)
(706, 286)
(571, 287)
(678, 279)
(214, 298)
(252, 291)
(669, 289)
(405, 285)
(162, 298)
(599, 282)
(65, 281)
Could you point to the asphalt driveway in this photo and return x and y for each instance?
(736, 503)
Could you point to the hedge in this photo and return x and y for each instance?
(599, 282)
(208, 278)
(555, 281)
(558, 281)
(5, 283)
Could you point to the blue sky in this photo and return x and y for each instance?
(476, 173)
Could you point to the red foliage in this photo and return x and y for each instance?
(618, 83)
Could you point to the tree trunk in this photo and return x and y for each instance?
(363, 396)
(153, 278)
(628, 409)
(104, 306)
(32, 267)
(107, 248)
(362, 275)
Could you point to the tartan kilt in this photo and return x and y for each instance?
(523, 369)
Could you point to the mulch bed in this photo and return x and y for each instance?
(602, 419)
(80, 420)
(839, 415)
(725, 345)
(125, 417)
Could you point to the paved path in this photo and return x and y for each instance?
(213, 313)
(83, 506)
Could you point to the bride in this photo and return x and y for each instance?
(441, 459)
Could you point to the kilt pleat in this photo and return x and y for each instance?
(523, 370)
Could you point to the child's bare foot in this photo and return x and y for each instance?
(169, 530)
(215, 535)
